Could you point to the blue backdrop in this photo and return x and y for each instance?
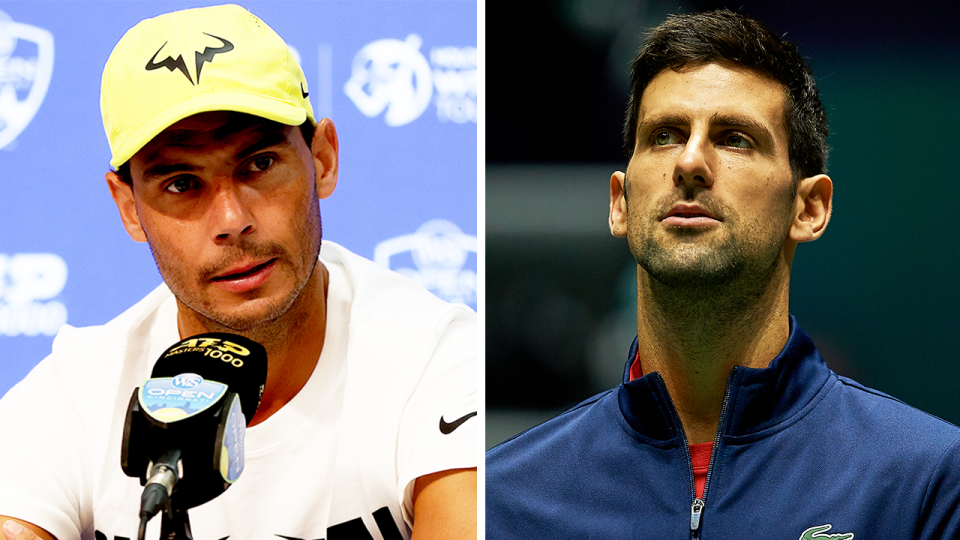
(399, 80)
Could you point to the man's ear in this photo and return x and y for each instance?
(812, 209)
(618, 205)
(123, 195)
(326, 150)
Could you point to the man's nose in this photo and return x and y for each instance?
(230, 212)
(695, 164)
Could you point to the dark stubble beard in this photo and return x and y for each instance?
(308, 233)
(730, 274)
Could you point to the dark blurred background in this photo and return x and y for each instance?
(877, 293)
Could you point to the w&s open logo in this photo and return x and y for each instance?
(440, 254)
(26, 65)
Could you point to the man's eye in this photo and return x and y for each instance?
(182, 184)
(664, 137)
(736, 140)
(260, 163)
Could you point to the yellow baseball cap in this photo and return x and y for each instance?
(219, 58)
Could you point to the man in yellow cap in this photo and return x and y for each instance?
(366, 425)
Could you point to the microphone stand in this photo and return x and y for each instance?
(175, 524)
(159, 494)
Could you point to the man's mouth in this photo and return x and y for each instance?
(689, 215)
(242, 272)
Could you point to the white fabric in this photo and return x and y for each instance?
(365, 426)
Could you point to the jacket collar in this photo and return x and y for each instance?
(757, 399)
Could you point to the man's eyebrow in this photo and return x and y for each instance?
(158, 170)
(267, 140)
(663, 120)
(742, 122)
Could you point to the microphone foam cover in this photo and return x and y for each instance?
(236, 361)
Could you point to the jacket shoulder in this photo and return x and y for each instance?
(553, 435)
(894, 417)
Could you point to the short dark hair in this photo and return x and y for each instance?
(725, 36)
(307, 129)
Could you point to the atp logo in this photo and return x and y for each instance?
(391, 75)
(26, 66)
(29, 285)
(813, 533)
(439, 251)
(178, 63)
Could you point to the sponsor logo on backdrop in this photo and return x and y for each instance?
(439, 252)
(455, 78)
(391, 75)
(395, 76)
(26, 65)
(29, 285)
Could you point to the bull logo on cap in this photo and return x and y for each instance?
(178, 63)
(26, 66)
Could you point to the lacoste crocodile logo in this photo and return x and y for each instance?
(813, 533)
(178, 63)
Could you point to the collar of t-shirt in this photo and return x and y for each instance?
(699, 453)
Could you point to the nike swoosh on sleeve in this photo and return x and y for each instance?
(447, 428)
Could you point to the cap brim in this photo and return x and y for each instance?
(264, 107)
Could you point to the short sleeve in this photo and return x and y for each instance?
(42, 457)
(439, 424)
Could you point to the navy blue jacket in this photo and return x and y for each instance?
(800, 454)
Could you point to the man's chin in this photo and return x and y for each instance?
(246, 317)
(694, 278)
(693, 267)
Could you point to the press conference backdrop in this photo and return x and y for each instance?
(398, 78)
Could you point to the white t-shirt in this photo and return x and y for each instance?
(339, 460)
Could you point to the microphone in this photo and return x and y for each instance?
(184, 430)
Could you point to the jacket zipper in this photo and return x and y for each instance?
(696, 508)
